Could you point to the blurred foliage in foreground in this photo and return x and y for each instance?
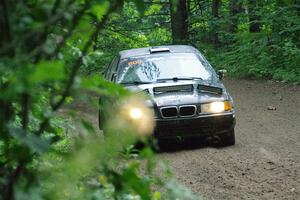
(43, 47)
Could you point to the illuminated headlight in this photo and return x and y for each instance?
(216, 107)
(135, 113)
(133, 116)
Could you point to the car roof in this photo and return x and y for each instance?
(147, 50)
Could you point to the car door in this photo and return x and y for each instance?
(110, 75)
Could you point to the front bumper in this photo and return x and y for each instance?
(202, 125)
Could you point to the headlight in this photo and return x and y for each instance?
(216, 107)
(135, 116)
(135, 113)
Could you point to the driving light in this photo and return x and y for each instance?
(135, 113)
(134, 116)
(216, 107)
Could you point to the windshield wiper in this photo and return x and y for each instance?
(178, 78)
(135, 82)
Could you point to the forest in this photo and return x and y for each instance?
(53, 54)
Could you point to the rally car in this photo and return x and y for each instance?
(187, 96)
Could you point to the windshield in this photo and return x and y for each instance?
(154, 67)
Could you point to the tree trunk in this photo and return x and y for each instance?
(5, 32)
(179, 22)
(254, 18)
(214, 26)
(235, 7)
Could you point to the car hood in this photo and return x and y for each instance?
(182, 92)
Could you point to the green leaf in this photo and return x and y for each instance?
(147, 153)
(35, 143)
(156, 195)
(88, 126)
(48, 71)
(100, 10)
(140, 6)
(139, 185)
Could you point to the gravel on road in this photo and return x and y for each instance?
(264, 163)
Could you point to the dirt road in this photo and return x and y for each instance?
(264, 163)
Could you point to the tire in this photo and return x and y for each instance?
(228, 139)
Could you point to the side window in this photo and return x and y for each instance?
(111, 70)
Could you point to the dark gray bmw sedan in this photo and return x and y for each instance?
(186, 93)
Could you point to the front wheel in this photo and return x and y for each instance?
(228, 139)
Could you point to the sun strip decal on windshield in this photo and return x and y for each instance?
(134, 62)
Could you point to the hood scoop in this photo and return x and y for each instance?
(210, 89)
(175, 88)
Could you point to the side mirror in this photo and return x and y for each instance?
(221, 73)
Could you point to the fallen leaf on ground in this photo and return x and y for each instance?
(271, 108)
